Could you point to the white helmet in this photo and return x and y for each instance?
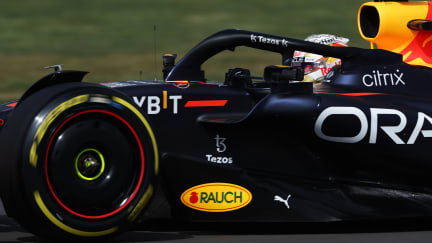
(316, 66)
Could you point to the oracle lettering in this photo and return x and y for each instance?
(363, 123)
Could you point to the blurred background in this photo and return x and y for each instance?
(116, 39)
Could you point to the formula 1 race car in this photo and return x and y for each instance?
(86, 161)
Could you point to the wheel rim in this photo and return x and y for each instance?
(89, 164)
(94, 168)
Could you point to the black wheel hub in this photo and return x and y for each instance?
(89, 164)
(92, 165)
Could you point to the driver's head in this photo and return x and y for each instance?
(316, 66)
(309, 62)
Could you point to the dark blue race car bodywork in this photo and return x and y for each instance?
(351, 147)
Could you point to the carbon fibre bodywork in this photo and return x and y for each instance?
(354, 146)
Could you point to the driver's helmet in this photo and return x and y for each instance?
(316, 66)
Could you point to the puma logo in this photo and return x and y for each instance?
(285, 201)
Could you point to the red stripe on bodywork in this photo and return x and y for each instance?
(197, 82)
(12, 104)
(205, 103)
(353, 94)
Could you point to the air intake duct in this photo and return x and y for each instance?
(399, 26)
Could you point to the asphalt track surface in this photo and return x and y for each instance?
(390, 231)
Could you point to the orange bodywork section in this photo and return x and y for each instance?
(385, 24)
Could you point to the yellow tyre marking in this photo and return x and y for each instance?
(33, 161)
(146, 124)
(147, 195)
(142, 202)
(64, 227)
(47, 122)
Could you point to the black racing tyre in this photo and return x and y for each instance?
(79, 162)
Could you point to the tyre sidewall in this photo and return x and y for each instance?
(49, 109)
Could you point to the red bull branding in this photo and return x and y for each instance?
(388, 25)
(420, 49)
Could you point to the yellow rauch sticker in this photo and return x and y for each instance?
(216, 197)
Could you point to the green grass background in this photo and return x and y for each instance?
(114, 39)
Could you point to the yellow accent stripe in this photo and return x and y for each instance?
(47, 122)
(178, 81)
(64, 227)
(33, 155)
(165, 96)
(146, 124)
(140, 206)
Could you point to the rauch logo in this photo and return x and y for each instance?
(216, 197)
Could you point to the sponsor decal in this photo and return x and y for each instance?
(220, 148)
(220, 145)
(218, 159)
(378, 79)
(364, 126)
(419, 50)
(216, 197)
(268, 40)
(282, 200)
(155, 104)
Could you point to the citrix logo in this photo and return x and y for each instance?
(376, 78)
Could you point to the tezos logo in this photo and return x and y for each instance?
(267, 40)
(216, 197)
(220, 145)
(220, 148)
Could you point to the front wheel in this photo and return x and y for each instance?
(79, 162)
